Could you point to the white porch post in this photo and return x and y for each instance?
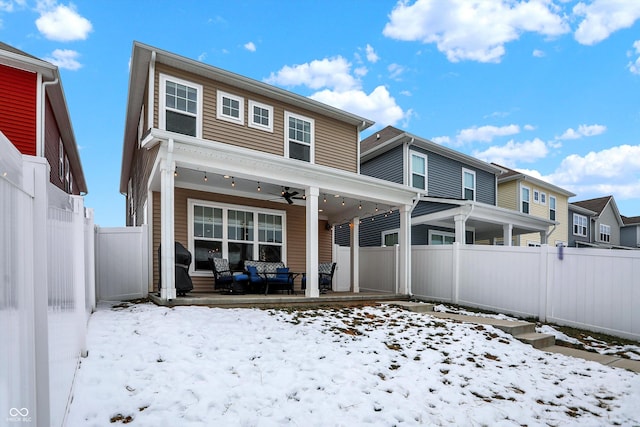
(404, 241)
(507, 234)
(355, 255)
(312, 290)
(167, 238)
(543, 237)
(460, 228)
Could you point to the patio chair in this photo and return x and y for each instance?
(221, 274)
(325, 277)
(256, 281)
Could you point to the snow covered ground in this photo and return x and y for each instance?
(381, 366)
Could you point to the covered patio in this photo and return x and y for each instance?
(323, 195)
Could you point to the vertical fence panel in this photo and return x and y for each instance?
(121, 263)
(431, 272)
(378, 269)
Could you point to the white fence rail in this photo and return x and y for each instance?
(122, 263)
(46, 267)
(593, 289)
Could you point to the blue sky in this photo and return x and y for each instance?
(549, 87)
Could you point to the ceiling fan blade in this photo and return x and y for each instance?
(295, 193)
(288, 199)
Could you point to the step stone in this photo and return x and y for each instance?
(537, 340)
(416, 307)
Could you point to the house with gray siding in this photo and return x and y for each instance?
(630, 232)
(458, 194)
(604, 227)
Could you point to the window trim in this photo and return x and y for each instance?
(586, 226)
(162, 112)
(554, 209)
(543, 198)
(225, 231)
(440, 233)
(67, 173)
(219, 110)
(475, 184)
(289, 114)
(522, 201)
(426, 170)
(386, 233)
(252, 124)
(536, 196)
(61, 160)
(606, 232)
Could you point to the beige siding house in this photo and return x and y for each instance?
(229, 165)
(538, 198)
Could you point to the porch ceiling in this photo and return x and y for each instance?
(237, 171)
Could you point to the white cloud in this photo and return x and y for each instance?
(513, 152)
(442, 140)
(603, 17)
(485, 133)
(65, 58)
(634, 67)
(379, 105)
(395, 71)
(62, 23)
(202, 56)
(529, 127)
(250, 46)
(372, 56)
(538, 53)
(360, 71)
(405, 93)
(475, 31)
(9, 5)
(583, 130)
(331, 73)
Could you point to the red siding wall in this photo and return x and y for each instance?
(18, 108)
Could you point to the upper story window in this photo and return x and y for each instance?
(605, 233)
(299, 139)
(418, 171)
(468, 184)
(552, 208)
(230, 108)
(579, 225)
(67, 173)
(60, 160)
(260, 116)
(180, 106)
(536, 196)
(524, 198)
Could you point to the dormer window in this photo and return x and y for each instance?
(180, 106)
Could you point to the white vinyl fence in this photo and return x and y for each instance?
(46, 296)
(122, 263)
(593, 289)
(379, 269)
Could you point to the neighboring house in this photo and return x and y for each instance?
(231, 166)
(604, 225)
(579, 225)
(630, 232)
(535, 197)
(35, 118)
(457, 194)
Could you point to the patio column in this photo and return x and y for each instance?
(460, 228)
(312, 290)
(355, 255)
(507, 234)
(167, 239)
(404, 241)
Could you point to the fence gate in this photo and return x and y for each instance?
(122, 268)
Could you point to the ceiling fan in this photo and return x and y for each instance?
(290, 196)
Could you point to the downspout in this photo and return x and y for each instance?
(152, 90)
(40, 150)
(550, 232)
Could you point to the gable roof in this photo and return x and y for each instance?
(599, 204)
(511, 175)
(390, 137)
(15, 58)
(143, 55)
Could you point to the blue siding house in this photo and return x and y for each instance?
(458, 194)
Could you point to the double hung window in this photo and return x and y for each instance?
(299, 138)
(418, 171)
(180, 106)
(579, 225)
(468, 184)
(524, 199)
(552, 208)
(605, 233)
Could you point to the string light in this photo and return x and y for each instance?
(360, 205)
(205, 177)
(259, 189)
(175, 172)
(233, 182)
(342, 202)
(325, 199)
(376, 208)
